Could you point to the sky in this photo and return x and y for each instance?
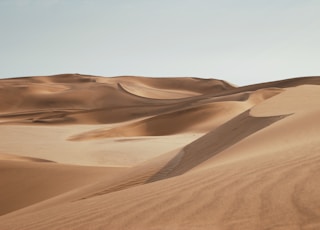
(240, 41)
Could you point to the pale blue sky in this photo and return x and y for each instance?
(241, 41)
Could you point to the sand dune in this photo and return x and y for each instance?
(87, 152)
(195, 117)
(88, 99)
(27, 182)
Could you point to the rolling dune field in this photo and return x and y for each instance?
(138, 153)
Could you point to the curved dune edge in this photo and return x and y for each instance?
(10, 157)
(154, 93)
(200, 116)
(255, 168)
(199, 119)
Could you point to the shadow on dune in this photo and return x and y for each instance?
(198, 151)
(213, 143)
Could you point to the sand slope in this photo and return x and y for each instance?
(230, 157)
(24, 183)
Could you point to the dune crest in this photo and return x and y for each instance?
(88, 152)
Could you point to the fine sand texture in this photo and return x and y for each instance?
(138, 153)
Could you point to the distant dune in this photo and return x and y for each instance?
(137, 153)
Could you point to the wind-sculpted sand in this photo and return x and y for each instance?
(135, 153)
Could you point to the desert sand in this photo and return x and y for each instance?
(138, 153)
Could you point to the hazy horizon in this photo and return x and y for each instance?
(242, 43)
